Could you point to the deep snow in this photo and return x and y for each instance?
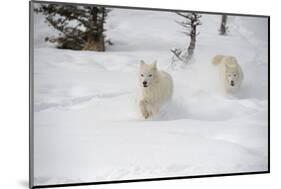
(86, 122)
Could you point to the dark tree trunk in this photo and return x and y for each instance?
(95, 38)
(192, 43)
(223, 27)
(94, 43)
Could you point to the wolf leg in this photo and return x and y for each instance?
(143, 109)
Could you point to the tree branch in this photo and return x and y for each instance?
(177, 53)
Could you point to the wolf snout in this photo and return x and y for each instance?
(232, 83)
(144, 83)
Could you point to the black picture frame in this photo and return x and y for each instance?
(31, 98)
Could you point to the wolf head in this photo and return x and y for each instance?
(232, 75)
(147, 74)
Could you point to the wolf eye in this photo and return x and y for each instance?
(150, 75)
(234, 75)
(142, 75)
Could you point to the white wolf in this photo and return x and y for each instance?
(230, 72)
(156, 89)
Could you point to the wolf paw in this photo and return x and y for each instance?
(144, 111)
(146, 115)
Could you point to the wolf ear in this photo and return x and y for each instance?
(154, 64)
(142, 62)
(227, 66)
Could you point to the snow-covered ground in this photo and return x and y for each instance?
(86, 123)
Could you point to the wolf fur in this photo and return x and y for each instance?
(230, 72)
(156, 89)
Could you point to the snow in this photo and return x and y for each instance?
(86, 122)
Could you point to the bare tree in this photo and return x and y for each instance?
(79, 27)
(223, 27)
(192, 20)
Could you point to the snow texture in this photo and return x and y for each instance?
(86, 123)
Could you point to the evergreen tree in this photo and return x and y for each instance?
(80, 27)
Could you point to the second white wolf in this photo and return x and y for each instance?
(156, 89)
(230, 72)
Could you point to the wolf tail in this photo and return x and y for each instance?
(217, 59)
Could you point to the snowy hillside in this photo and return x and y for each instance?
(86, 123)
